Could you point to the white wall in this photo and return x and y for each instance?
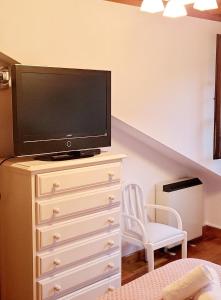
(212, 196)
(162, 69)
(162, 72)
(145, 165)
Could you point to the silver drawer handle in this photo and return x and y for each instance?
(110, 243)
(111, 198)
(57, 288)
(110, 265)
(111, 175)
(56, 185)
(111, 220)
(110, 289)
(56, 210)
(57, 262)
(57, 236)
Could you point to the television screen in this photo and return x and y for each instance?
(59, 110)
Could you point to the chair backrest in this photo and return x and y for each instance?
(133, 205)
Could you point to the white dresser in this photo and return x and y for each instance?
(60, 228)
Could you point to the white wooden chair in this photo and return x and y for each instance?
(139, 230)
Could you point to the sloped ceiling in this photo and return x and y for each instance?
(5, 60)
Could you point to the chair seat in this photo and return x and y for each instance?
(158, 232)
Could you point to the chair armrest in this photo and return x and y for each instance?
(139, 223)
(169, 209)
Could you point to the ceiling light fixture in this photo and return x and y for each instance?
(205, 4)
(185, 2)
(152, 6)
(175, 9)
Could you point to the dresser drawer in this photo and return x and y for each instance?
(49, 210)
(96, 290)
(52, 235)
(78, 277)
(64, 256)
(67, 180)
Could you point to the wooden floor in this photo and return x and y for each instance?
(208, 248)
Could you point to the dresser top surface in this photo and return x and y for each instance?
(31, 165)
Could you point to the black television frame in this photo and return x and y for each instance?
(217, 102)
(64, 145)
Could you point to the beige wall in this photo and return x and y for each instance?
(162, 69)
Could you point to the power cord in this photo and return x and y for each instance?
(5, 159)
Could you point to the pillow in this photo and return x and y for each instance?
(192, 282)
(211, 292)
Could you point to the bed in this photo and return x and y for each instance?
(149, 286)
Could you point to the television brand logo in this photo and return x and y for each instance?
(68, 144)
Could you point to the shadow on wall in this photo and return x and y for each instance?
(6, 141)
(152, 149)
(139, 148)
(148, 161)
(165, 162)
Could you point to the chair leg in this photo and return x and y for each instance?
(149, 253)
(184, 247)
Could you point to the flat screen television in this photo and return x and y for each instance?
(59, 110)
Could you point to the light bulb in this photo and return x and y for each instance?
(205, 4)
(175, 9)
(185, 2)
(152, 6)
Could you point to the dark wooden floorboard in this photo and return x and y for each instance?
(208, 248)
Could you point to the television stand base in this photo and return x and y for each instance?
(69, 155)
